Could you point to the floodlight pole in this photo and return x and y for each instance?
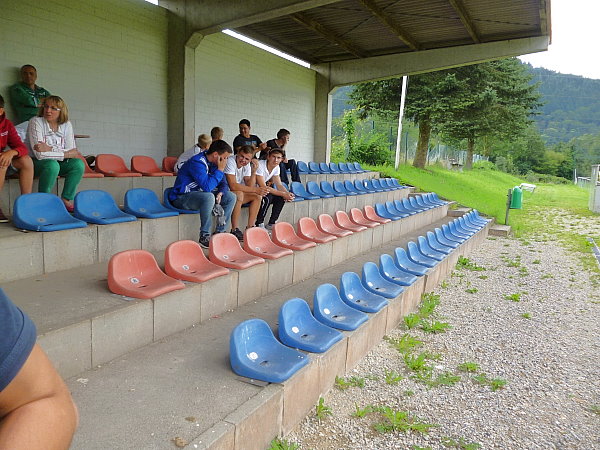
(400, 117)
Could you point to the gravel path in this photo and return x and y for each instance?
(531, 318)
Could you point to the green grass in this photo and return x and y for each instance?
(283, 444)
(322, 410)
(343, 384)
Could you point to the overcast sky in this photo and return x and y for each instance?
(575, 47)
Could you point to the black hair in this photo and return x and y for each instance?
(281, 133)
(244, 122)
(1, 102)
(220, 147)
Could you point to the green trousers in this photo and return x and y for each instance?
(49, 169)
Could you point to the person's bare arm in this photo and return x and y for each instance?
(36, 409)
(281, 191)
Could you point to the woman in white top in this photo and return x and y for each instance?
(52, 146)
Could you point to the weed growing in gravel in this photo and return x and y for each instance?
(362, 412)
(401, 421)
(418, 447)
(526, 315)
(411, 320)
(405, 344)
(546, 276)
(467, 264)
(322, 410)
(434, 326)
(537, 261)
(461, 444)
(512, 262)
(494, 384)
(343, 384)
(483, 277)
(417, 363)
(444, 284)
(408, 393)
(523, 271)
(471, 290)
(594, 409)
(429, 301)
(283, 444)
(392, 378)
(513, 297)
(468, 366)
(444, 379)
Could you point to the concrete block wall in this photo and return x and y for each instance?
(235, 80)
(106, 58)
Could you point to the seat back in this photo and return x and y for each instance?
(402, 260)
(298, 190)
(374, 282)
(284, 234)
(185, 260)
(302, 167)
(144, 164)
(169, 205)
(390, 271)
(87, 170)
(334, 168)
(313, 188)
(257, 242)
(350, 186)
(40, 211)
(415, 255)
(358, 167)
(357, 216)
(359, 186)
(324, 168)
(343, 221)
(95, 206)
(330, 309)
(313, 167)
(338, 186)
(326, 224)
(371, 215)
(142, 202)
(354, 294)
(327, 187)
(110, 164)
(307, 229)
(168, 163)
(225, 250)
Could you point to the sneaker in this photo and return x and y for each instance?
(270, 226)
(3, 218)
(238, 234)
(204, 240)
(261, 225)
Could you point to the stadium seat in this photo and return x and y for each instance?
(185, 260)
(436, 245)
(357, 216)
(328, 189)
(344, 167)
(417, 257)
(411, 207)
(94, 206)
(144, 203)
(444, 240)
(88, 172)
(358, 168)
(359, 186)
(40, 211)
(342, 220)
(298, 190)
(147, 167)
(258, 243)
(167, 203)
(402, 260)
(374, 282)
(313, 167)
(307, 229)
(421, 202)
(334, 168)
(369, 185)
(402, 209)
(391, 272)
(330, 309)
(372, 215)
(448, 234)
(324, 168)
(382, 211)
(416, 205)
(135, 273)
(225, 250)
(113, 166)
(349, 185)
(326, 224)
(168, 164)
(354, 294)
(313, 188)
(299, 329)
(255, 353)
(302, 167)
(283, 234)
(340, 187)
(378, 186)
(459, 231)
(391, 207)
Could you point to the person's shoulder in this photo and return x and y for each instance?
(17, 87)
(238, 138)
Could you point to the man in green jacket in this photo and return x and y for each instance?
(27, 96)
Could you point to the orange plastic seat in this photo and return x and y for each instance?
(284, 235)
(372, 215)
(113, 166)
(307, 229)
(343, 221)
(88, 172)
(225, 250)
(258, 243)
(135, 273)
(185, 260)
(326, 224)
(147, 167)
(168, 164)
(356, 216)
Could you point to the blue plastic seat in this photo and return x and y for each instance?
(299, 190)
(313, 167)
(391, 272)
(324, 168)
(418, 201)
(344, 167)
(435, 197)
(421, 202)
(389, 184)
(378, 186)
(302, 167)
(40, 211)
(382, 211)
(359, 186)
(144, 203)
(369, 185)
(401, 208)
(415, 205)
(313, 189)
(427, 201)
(334, 168)
(426, 249)
(410, 207)
(391, 207)
(397, 183)
(330, 309)
(437, 245)
(349, 185)
(354, 294)
(297, 198)
(416, 256)
(439, 235)
(328, 189)
(467, 226)
(448, 234)
(170, 206)
(475, 218)
(95, 206)
(431, 200)
(340, 187)
(299, 329)
(402, 260)
(374, 282)
(255, 353)
(459, 231)
(358, 168)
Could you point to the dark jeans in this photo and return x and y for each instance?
(267, 200)
(283, 167)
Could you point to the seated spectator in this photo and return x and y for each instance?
(52, 145)
(240, 173)
(267, 175)
(216, 133)
(283, 137)
(204, 142)
(26, 96)
(13, 157)
(36, 408)
(201, 183)
(245, 138)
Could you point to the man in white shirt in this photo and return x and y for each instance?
(267, 175)
(240, 173)
(204, 141)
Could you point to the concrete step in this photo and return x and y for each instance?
(500, 230)
(182, 386)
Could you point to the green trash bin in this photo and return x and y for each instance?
(516, 199)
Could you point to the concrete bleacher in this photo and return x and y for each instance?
(59, 279)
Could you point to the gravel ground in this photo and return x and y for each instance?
(545, 345)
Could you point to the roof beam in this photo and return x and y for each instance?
(279, 46)
(327, 34)
(466, 20)
(391, 24)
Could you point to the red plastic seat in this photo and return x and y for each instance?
(326, 224)
(284, 235)
(343, 221)
(88, 172)
(113, 166)
(185, 260)
(225, 250)
(307, 229)
(372, 215)
(356, 216)
(258, 243)
(147, 167)
(135, 273)
(168, 163)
